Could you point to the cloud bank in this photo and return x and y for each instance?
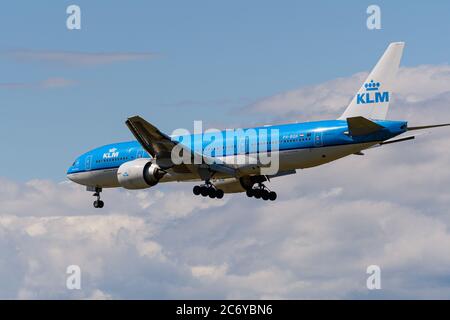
(389, 208)
(328, 100)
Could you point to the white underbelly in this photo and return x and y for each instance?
(105, 178)
(295, 158)
(312, 157)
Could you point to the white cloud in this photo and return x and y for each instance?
(389, 208)
(321, 100)
(414, 85)
(209, 272)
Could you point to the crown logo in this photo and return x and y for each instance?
(112, 150)
(372, 86)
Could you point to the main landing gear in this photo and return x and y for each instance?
(208, 189)
(262, 192)
(98, 203)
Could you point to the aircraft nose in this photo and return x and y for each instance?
(77, 178)
(72, 175)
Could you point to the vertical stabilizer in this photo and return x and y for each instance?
(372, 99)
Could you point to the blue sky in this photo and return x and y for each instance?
(208, 60)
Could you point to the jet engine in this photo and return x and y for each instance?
(139, 174)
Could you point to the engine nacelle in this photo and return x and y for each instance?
(139, 174)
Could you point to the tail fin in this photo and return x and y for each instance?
(372, 100)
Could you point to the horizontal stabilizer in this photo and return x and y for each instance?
(428, 127)
(360, 126)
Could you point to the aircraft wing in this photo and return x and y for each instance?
(159, 145)
(152, 140)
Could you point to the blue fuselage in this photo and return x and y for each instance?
(308, 135)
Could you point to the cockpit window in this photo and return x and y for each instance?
(73, 164)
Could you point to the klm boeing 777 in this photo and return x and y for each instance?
(237, 165)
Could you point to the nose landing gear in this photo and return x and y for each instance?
(98, 203)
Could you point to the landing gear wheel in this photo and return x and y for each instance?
(204, 191)
(196, 190)
(219, 194)
(272, 196)
(212, 193)
(261, 192)
(97, 203)
(208, 190)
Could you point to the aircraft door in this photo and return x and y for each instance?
(88, 163)
(318, 142)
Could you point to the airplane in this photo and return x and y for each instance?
(147, 161)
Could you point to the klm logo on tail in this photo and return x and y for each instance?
(372, 94)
